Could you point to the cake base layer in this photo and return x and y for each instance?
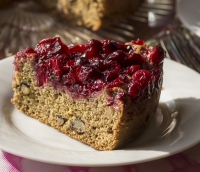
(89, 120)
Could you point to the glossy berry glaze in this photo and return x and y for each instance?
(85, 70)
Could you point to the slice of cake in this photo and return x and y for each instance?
(92, 13)
(103, 93)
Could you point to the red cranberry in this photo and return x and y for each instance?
(131, 69)
(94, 48)
(156, 55)
(134, 59)
(121, 80)
(50, 47)
(111, 72)
(86, 73)
(134, 89)
(97, 45)
(144, 77)
(116, 83)
(70, 62)
(109, 47)
(138, 42)
(122, 46)
(98, 64)
(117, 56)
(82, 61)
(77, 48)
(29, 51)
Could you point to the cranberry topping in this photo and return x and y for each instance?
(85, 70)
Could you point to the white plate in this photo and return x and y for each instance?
(188, 11)
(26, 137)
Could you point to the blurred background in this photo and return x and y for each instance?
(25, 23)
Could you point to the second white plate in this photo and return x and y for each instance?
(188, 11)
(167, 134)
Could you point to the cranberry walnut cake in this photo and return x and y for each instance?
(92, 13)
(103, 93)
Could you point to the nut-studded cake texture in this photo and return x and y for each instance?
(102, 93)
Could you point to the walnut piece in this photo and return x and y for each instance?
(25, 89)
(78, 126)
(60, 121)
(137, 48)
